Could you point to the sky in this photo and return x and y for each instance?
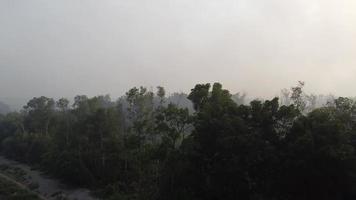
(67, 47)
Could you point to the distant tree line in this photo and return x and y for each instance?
(4, 108)
(208, 145)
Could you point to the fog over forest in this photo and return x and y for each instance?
(178, 99)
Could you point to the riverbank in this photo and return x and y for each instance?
(46, 186)
(11, 190)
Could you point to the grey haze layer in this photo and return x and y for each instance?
(65, 47)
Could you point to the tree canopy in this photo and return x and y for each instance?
(149, 146)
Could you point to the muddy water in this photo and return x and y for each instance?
(49, 186)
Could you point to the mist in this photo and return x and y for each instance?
(65, 48)
(178, 99)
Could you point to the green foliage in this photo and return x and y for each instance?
(38, 114)
(11, 191)
(144, 147)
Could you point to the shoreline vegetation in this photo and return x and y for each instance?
(13, 190)
(206, 145)
(39, 183)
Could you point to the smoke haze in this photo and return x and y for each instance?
(63, 48)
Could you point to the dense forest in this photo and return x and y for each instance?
(208, 145)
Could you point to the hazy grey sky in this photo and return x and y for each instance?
(67, 47)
